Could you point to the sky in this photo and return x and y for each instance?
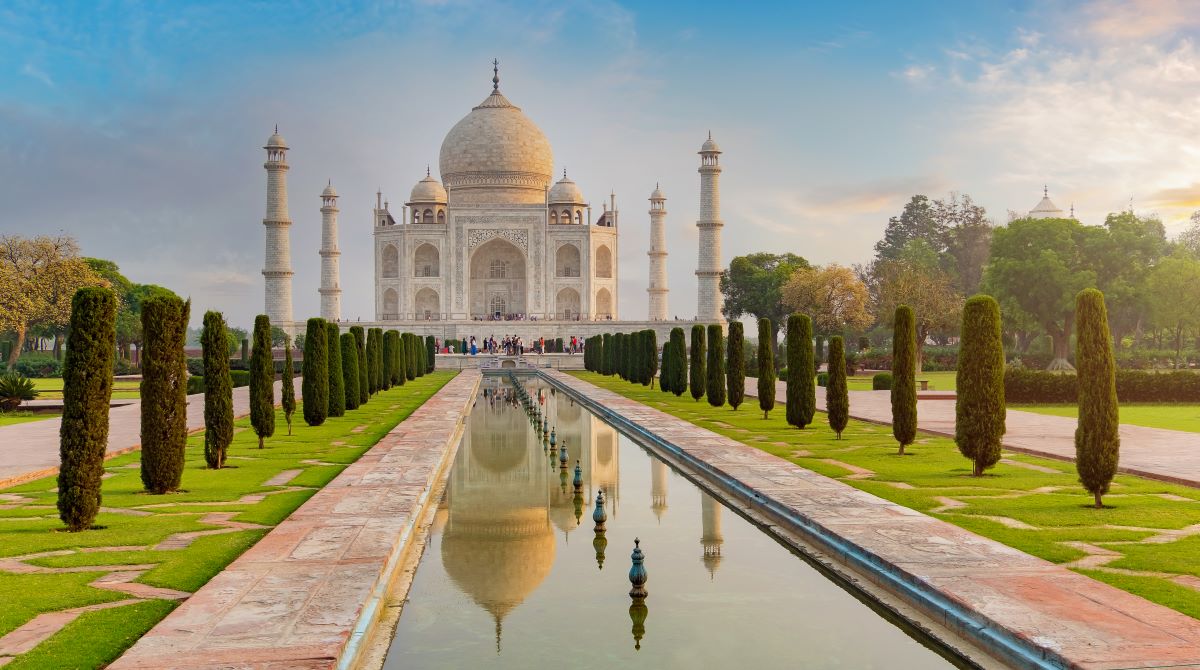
(138, 127)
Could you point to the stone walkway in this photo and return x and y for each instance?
(30, 450)
(1165, 455)
(1046, 611)
(304, 592)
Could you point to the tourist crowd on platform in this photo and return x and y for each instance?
(506, 346)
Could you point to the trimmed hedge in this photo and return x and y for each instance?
(1041, 386)
(881, 382)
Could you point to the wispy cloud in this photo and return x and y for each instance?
(31, 70)
(1140, 19)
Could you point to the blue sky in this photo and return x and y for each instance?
(137, 127)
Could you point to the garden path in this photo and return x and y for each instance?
(30, 450)
(1157, 453)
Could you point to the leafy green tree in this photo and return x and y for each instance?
(735, 371)
(360, 341)
(164, 392)
(679, 363)
(314, 389)
(279, 337)
(1173, 292)
(833, 295)
(754, 285)
(766, 368)
(218, 390)
(979, 408)
(715, 389)
(87, 391)
(801, 377)
(350, 368)
(904, 376)
(262, 381)
(649, 358)
(374, 373)
(287, 388)
(698, 379)
(1097, 437)
(389, 359)
(333, 363)
(1038, 265)
(916, 222)
(922, 285)
(968, 239)
(837, 399)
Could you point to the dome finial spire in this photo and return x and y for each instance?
(564, 173)
(1045, 190)
(427, 169)
(495, 74)
(276, 128)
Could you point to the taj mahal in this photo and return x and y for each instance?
(496, 239)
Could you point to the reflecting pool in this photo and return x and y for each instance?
(515, 577)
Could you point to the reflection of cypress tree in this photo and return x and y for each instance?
(164, 392)
(360, 340)
(337, 381)
(314, 388)
(837, 399)
(218, 390)
(1097, 439)
(349, 369)
(87, 392)
(979, 406)
(716, 366)
(735, 371)
(766, 367)
(904, 377)
(698, 380)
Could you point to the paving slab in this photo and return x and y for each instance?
(298, 597)
(989, 592)
(30, 450)
(1157, 453)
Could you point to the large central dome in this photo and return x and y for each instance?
(496, 155)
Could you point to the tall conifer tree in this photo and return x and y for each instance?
(314, 388)
(349, 369)
(766, 367)
(715, 389)
(288, 387)
(218, 390)
(1097, 437)
(735, 370)
(337, 380)
(163, 392)
(801, 375)
(698, 379)
(904, 377)
(679, 366)
(979, 405)
(837, 398)
(364, 387)
(262, 381)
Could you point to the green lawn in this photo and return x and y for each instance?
(1152, 415)
(129, 537)
(21, 416)
(1033, 504)
(938, 381)
(50, 388)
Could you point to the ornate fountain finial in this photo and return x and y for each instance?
(578, 481)
(562, 455)
(600, 516)
(637, 572)
(496, 74)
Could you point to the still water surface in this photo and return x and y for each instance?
(515, 577)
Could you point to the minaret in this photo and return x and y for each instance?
(277, 269)
(658, 256)
(331, 288)
(658, 487)
(708, 270)
(711, 538)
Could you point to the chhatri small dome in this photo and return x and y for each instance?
(565, 192)
(329, 191)
(496, 146)
(709, 145)
(1046, 209)
(428, 190)
(276, 141)
(657, 194)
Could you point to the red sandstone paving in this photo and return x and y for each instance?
(30, 450)
(293, 599)
(1059, 612)
(1166, 455)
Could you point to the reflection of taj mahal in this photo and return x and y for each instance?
(495, 239)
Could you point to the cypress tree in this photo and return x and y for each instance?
(735, 370)
(801, 378)
(288, 388)
(333, 363)
(87, 391)
(979, 408)
(379, 358)
(262, 381)
(616, 358)
(697, 380)
(245, 351)
(430, 354)
(400, 354)
(766, 367)
(1097, 438)
(164, 392)
(607, 350)
(218, 390)
(666, 377)
(349, 369)
(314, 388)
(360, 341)
(410, 348)
(419, 344)
(679, 366)
(634, 366)
(904, 377)
(837, 400)
(388, 359)
(716, 366)
(373, 371)
(650, 357)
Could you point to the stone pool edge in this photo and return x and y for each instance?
(941, 590)
(310, 593)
